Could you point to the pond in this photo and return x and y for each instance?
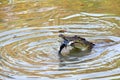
(29, 41)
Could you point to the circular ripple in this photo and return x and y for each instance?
(34, 51)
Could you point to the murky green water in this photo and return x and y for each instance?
(29, 39)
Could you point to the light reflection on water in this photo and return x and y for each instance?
(31, 52)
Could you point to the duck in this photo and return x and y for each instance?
(74, 42)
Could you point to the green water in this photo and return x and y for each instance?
(29, 41)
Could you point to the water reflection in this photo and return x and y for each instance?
(34, 51)
(29, 42)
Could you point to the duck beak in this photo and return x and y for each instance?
(61, 47)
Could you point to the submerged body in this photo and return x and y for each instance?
(74, 42)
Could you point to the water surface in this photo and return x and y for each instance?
(29, 39)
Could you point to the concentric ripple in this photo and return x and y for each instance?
(33, 52)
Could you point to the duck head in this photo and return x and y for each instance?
(76, 42)
(65, 46)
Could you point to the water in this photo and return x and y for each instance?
(29, 41)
